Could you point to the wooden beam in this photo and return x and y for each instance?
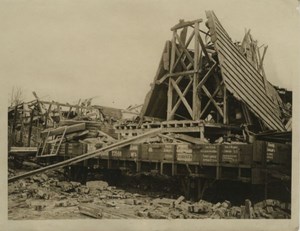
(211, 99)
(185, 24)
(204, 79)
(203, 46)
(179, 100)
(171, 138)
(188, 55)
(88, 155)
(225, 109)
(47, 116)
(60, 130)
(30, 127)
(185, 102)
(182, 52)
(196, 101)
(189, 139)
(170, 87)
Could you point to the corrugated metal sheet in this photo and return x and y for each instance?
(241, 78)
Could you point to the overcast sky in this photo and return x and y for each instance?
(69, 49)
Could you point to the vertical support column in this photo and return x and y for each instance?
(138, 166)
(22, 125)
(225, 109)
(14, 125)
(170, 89)
(161, 168)
(196, 101)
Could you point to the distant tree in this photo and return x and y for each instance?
(16, 96)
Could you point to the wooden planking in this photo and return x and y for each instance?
(240, 59)
(241, 78)
(236, 71)
(157, 92)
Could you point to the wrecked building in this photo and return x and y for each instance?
(210, 115)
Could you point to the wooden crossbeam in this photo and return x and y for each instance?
(182, 52)
(179, 54)
(211, 99)
(206, 76)
(184, 101)
(188, 55)
(185, 24)
(179, 100)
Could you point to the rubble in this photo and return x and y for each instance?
(90, 210)
(97, 198)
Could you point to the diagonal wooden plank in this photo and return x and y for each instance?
(188, 55)
(203, 46)
(184, 101)
(179, 100)
(182, 52)
(211, 99)
(207, 75)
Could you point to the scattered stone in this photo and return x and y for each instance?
(269, 209)
(214, 207)
(23, 205)
(42, 195)
(65, 203)
(226, 204)
(102, 197)
(179, 200)
(110, 204)
(75, 184)
(175, 215)
(97, 185)
(65, 186)
(85, 199)
(235, 211)
(143, 213)
(164, 202)
(39, 207)
(156, 215)
(137, 202)
(129, 202)
(219, 213)
(44, 177)
(82, 190)
(110, 188)
(91, 210)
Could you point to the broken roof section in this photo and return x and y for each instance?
(242, 79)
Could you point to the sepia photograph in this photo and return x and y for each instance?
(150, 115)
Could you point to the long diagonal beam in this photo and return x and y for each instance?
(89, 154)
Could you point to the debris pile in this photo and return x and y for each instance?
(44, 196)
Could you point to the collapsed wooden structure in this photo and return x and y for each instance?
(210, 114)
(204, 76)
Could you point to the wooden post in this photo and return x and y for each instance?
(225, 109)
(22, 125)
(196, 101)
(30, 127)
(13, 137)
(47, 115)
(170, 89)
